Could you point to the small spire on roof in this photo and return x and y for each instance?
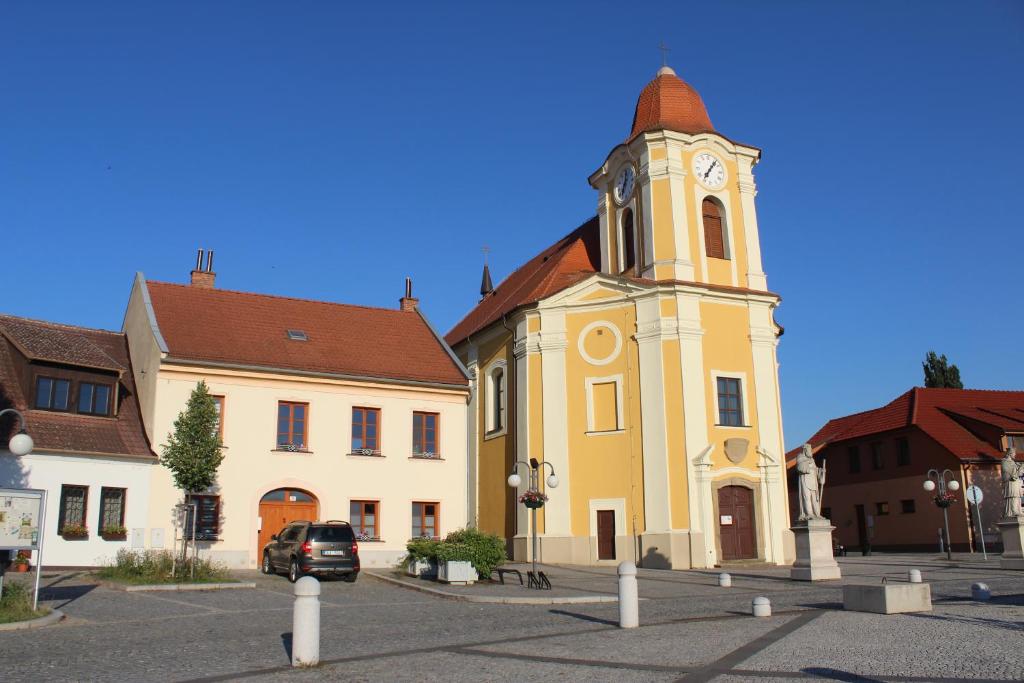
(665, 69)
(485, 282)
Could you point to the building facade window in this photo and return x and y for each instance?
(908, 507)
(902, 452)
(496, 392)
(425, 519)
(74, 503)
(628, 241)
(292, 425)
(881, 509)
(364, 519)
(207, 512)
(93, 399)
(425, 434)
(877, 461)
(730, 402)
(112, 502)
(52, 394)
(218, 405)
(366, 430)
(604, 404)
(714, 235)
(853, 452)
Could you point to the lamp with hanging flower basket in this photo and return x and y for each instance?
(944, 500)
(943, 483)
(534, 500)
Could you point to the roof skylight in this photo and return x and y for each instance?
(297, 335)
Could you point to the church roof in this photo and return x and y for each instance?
(566, 262)
(935, 412)
(669, 103)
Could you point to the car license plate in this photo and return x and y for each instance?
(333, 552)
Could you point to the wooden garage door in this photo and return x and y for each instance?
(736, 523)
(281, 507)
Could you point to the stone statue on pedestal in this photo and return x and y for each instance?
(1013, 472)
(811, 484)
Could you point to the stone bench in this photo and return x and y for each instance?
(888, 598)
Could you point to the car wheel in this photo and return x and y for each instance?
(293, 571)
(268, 567)
(350, 578)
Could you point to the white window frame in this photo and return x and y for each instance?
(589, 383)
(744, 401)
(489, 429)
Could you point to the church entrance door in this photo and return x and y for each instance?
(736, 523)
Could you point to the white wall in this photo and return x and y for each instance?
(40, 470)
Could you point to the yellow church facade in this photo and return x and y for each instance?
(637, 357)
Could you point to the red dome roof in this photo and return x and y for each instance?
(667, 103)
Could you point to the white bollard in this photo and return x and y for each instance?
(980, 592)
(914, 576)
(724, 580)
(306, 623)
(761, 607)
(629, 607)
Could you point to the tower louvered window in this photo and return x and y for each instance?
(628, 241)
(714, 237)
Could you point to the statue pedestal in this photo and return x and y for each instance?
(1012, 531)
(814, 558)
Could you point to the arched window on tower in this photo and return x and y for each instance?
(496, 400)
(628, 241)
(714, 235)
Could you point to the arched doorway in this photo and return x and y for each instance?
(280, 507)
(736, 523)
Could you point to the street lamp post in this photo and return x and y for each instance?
(21, 443)
(938, 480)
(535, 470)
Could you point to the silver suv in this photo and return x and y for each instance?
(320, 548)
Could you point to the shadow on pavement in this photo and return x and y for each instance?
(286, 641)
(822, 605)
(66, 593)
(837, 675)
(584, 617)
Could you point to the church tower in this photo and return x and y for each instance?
(636, 359)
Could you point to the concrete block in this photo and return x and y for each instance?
(456, 572)
(888, 598)
(1012, 531)
(814, 559)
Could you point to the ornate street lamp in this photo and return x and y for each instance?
(21, 443)
(533, 498)
(943, 498)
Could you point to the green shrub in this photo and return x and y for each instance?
(16, 602)
(485, 551)
(422, 549)
(158, 566)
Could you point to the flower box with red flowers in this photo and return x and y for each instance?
(533, 499)
(944, 500)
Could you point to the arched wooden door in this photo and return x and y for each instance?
(281, 507)
(736, 523)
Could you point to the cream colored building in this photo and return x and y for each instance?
(637, 356)
(328, 412)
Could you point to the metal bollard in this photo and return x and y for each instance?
(761, 607)
(306, 623)
(724, 580)
(629, 607)
(914, 576)
(980, 592)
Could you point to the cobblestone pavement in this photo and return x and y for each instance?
(691, 630)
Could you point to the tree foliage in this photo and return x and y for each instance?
(939, 373)
(192, 452)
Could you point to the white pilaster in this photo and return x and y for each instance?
(683, 267)
(519, 351)
(748, 190)
(766, 392)
(647, 211)
(657, 493)
(602, 216)
(472, 447)
(553, 343)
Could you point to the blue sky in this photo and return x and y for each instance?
(327, 151)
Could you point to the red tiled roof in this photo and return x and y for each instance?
(75, 347)
(217, 325)
(668, 103)
(932, 411)
(569, 260)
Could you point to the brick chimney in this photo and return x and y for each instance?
(407, 302)
(204, 277)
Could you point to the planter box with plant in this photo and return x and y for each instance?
(114, 533)
(21, 563)
(74, 531)
(455, 564)
(422, 558)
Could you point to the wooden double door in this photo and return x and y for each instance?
(736, 523)
(281, 507)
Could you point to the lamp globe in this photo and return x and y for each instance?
(21, 444)
(553, 482)
(954, 485)
(929, 485)
(514, 480)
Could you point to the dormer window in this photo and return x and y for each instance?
(52, 394)
(297, 335)
(93, 399)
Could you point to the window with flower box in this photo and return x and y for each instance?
(366, 431)
(425, 518)
(74, 501)
(425, 434)
(364, 518)
(111, 521)
(292, 425)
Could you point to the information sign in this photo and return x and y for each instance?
(21, 512)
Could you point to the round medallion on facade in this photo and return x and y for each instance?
(624, 183)
(600, 342)
(710, 170)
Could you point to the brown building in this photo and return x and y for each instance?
(878, 460)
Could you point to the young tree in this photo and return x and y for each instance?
(938, 372)
(192, 452)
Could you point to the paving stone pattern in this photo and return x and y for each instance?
(691, 630)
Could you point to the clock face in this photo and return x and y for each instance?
(709, 169)
(624, 185)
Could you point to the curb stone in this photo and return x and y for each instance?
(39, 622)
(176, 586)
(578, 600)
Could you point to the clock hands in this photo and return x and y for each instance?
(712, 166)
